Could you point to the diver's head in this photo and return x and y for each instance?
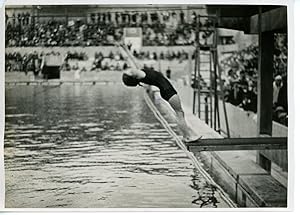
(129, 81)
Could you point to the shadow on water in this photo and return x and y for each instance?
(94, 146)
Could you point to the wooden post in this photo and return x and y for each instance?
(265, 81)
(265, 89)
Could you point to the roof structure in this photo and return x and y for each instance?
(245, 17)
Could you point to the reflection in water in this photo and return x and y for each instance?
(94, 146)
(206, 193)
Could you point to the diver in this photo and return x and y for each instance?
(135, 75)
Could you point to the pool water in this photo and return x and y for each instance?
(100, 146)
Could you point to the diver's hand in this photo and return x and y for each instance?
(119, 44)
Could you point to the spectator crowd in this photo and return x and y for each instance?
(17, 62)
(240, 79)
(158, 28)
(24, 63)
(32, 61)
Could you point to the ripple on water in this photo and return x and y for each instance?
(98, 151)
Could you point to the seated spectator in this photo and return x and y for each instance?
(66, 66)
(75, 66)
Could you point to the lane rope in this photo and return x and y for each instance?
(179, 142)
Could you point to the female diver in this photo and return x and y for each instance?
(134, 76)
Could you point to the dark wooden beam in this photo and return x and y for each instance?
(274, 20)
(238, 10)
(236, 144)
(265, 83)
(235, 23)
(247, 20)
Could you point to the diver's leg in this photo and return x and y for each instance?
(175, 103)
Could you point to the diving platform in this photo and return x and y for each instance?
(237, 144)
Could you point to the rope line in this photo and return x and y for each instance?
(179, 142)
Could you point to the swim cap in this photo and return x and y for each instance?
(129, 80)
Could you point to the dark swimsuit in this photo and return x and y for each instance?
(157, 79)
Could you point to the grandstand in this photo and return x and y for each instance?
(164, 37)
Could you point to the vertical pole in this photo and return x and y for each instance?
(194, 79)
(210, 90)
(197, 61)
(216, 104)
(195, 82)
(190, 66)
(206, 110)
(194, 101)
(265, 80)
(215, 58)
(221, 89)
(265, 88)
(196, 69)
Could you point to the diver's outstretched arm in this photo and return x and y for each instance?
(131, 59)
(136, 68)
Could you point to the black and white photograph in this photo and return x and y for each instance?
(154, 106)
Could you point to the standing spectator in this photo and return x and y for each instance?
(108, 17)
(98, 18)
(277, 85)
(193, 17)
(104, 18)
(14, 19)
(134, 17)
(144, 17)
(168, 73)
(243, 82)
(129, 45)
(19, 19)
(282, 99)
(111, 55)
(92, 18)
(6, 18)
(117, 15)
(154, 17)
(124, 17)
(27, 17)
(182, 17)
(36, 64)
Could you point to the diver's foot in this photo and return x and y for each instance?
(192, 139)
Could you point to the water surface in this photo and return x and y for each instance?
(94, 147)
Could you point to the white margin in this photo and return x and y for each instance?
(2, 108)
(293, 84)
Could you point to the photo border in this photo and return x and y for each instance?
(291, 102)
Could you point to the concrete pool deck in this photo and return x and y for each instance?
(250, 185)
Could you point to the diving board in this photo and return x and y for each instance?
(235, 144)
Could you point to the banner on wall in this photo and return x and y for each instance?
(133, 38)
